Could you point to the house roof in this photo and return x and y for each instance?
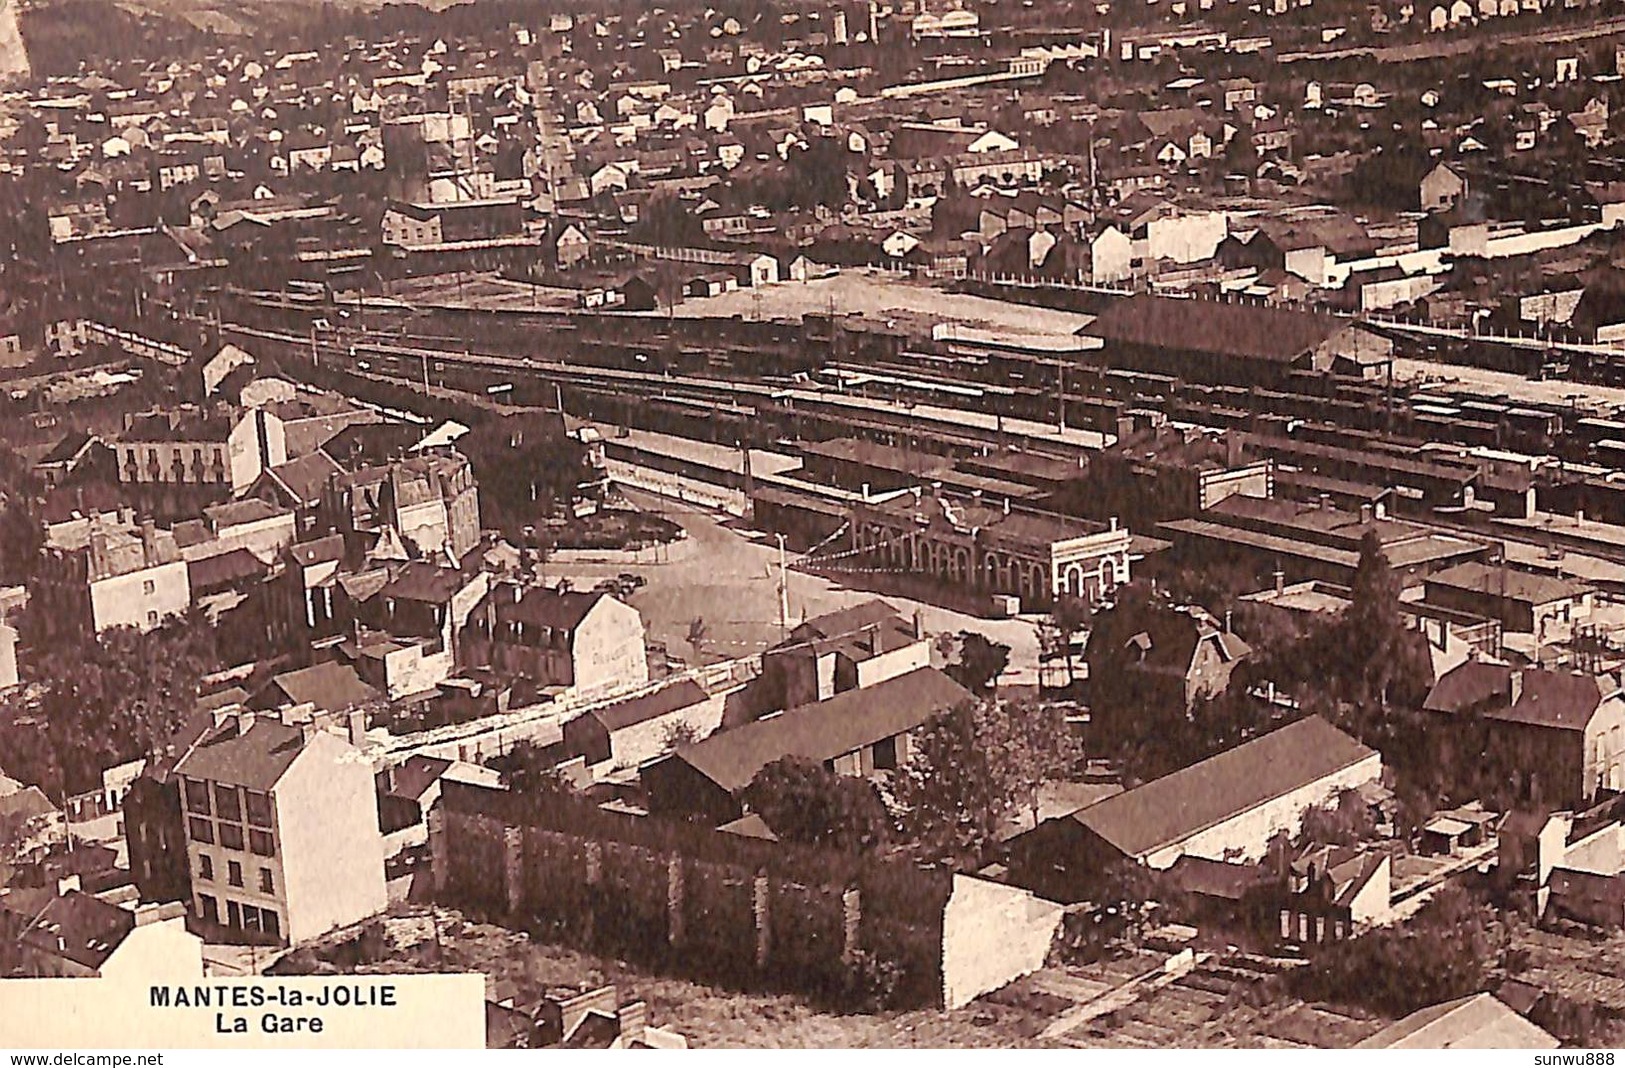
(306, 477)
(414, 776)
(557, 608)
(1508, 583)
(1563, 700)
(82, 928)
(66, 449)
(826, 729)
(1243, 331)
(1478, 1021)
(1171, 809)
(332, 687)
(1217, 878)
(247, 510)
(321, 551)
(256, 759)
(238, 565)
(425, 581)
(662, 702)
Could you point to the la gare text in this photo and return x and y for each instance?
(253, 996)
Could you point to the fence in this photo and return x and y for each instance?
(739, 912)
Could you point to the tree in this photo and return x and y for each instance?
(102, 702)
(1030, 744)
(1070, 614)
(1445, 952)
(951, 803)
(803, 801)
(972, 766)
(680, 733)
(529, 771)
(981, 662)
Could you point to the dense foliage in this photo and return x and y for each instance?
(90, 705)
(803, 801)
(1446, 951)
(973, 768)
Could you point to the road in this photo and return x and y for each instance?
(729, 579)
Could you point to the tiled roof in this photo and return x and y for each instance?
(1169, 810)
(661, 702)
(1246, 331)
(825, 730)
(82, 928)
(256, 760)
(1477, 1021)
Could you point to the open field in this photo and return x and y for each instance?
(1197, 1010)
(868, 291)
(1514, 387)
(877, 293)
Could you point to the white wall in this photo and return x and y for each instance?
(1246, 837)
(162, 951)
(330, 847)
(992, 935)
(121, 600)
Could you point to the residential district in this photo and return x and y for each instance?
(939, 523)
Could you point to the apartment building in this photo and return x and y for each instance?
(282, 831)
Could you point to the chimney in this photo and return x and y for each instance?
(1325, 500)
(1280, 581)
(149, 542)
(97, 558)
(356, 727)
(1365, 513)
(67, 883)
(1232, 450)
(919, 624)
(634, 1019)
(245, 720)
(1516, 688)
(1007, 506)
(1113, 523)
(866, 491)
(917, 493)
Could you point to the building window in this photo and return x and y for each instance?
(267, 885)
(261, 844)
(259, 808)
(205, 867)
(152, 619)
(197, 796)
(886, 753)
(234, 914)
(200, 830)
(234, 873)
(209, 908)
(270, 923)
(231, 836)
(226, 803)
(148, 586)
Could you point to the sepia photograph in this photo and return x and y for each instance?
(808, 524)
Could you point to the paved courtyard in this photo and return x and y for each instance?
(728, 578)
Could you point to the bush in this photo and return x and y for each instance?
(871, 983)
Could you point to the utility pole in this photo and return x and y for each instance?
(1060, 393)
(784, 593)
(424, 356)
